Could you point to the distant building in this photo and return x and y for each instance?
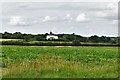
(51, 36)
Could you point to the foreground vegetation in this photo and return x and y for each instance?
(59, 62)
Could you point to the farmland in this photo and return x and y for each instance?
(57, 62)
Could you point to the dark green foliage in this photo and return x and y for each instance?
(0, 35)
(27, 38)
(76, 42)
(12, 42)
(17, 35)
(52, 43)
(94, 38)
(2, 65)
(62, 37)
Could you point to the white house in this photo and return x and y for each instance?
(51, 37)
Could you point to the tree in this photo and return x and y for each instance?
(6, 35)
(68, 37)
(46, 34)
(102, 39)
(17, 35)
(51, 33)
(27, 38)
(0, 35)
(76, 42)
(108, 39)
(94, 38)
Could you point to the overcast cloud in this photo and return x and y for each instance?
(89, 18)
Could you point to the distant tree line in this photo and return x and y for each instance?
(62, 37)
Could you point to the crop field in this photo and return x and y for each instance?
(59, 62)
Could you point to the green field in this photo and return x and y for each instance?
(59, 62)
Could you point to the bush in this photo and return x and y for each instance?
(55, 43)
(12, 42)
(76, 42)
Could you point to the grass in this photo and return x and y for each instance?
(10, 39)
(59, 62)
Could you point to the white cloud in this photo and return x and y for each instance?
(57, 18)
(17, 21)
(110, 13)
(82, 18)
(49, 18)
(114, 22)
(68, 15)
(67, 18)
(101, 14)
(113, 7)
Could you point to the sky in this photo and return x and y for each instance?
(82, 18)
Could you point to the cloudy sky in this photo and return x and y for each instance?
(83, 18)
